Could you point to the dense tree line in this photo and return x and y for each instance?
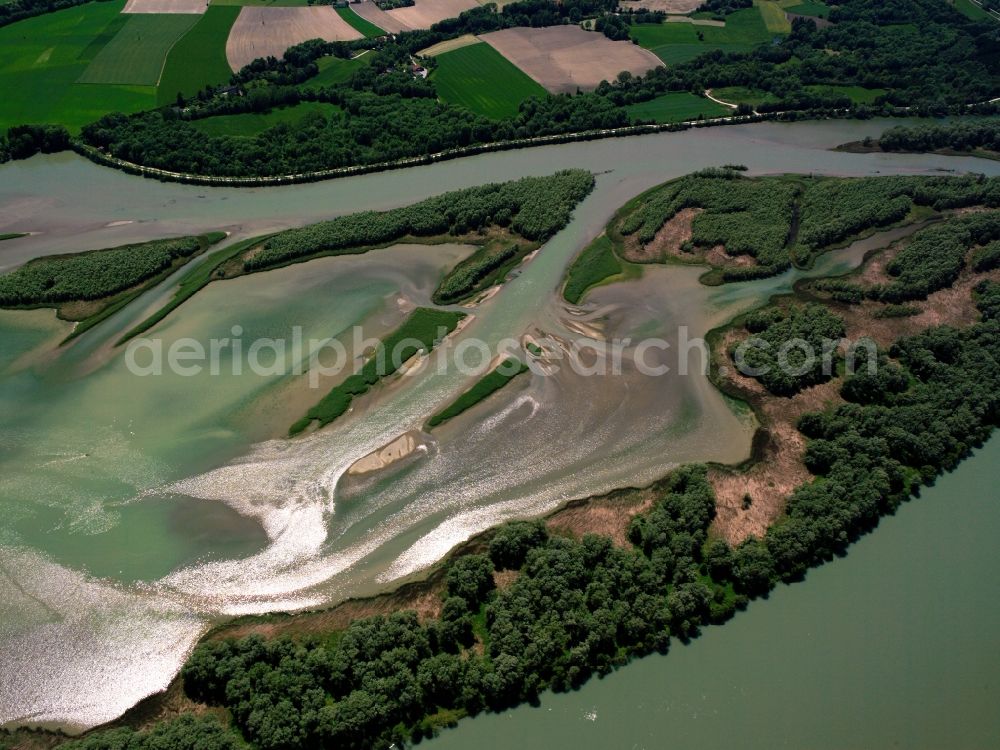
(774, 352)
(95, 274)
(533, 207)
(724, 7)
(834, 210)
(953, 136)
(747, 216)
(187, 732)
(23, 141)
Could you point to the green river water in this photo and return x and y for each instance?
(136, 511)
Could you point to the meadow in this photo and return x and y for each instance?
(677, 107)
(249, 124)
(42, 58)
(595, 264)
(135, 55)
(199, 58)
(483, 81)
(680, 42)
(363, 25)
(334, 70)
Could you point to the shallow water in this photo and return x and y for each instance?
(105, 474)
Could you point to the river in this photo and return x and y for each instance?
(137, 511)
(894, 645)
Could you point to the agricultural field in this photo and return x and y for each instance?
(480, 79)
(42, 58)
(677, 107)
(199, 58)
(264, 32)
(370, 12)
(249, 124)
(136, 54)
(425, 13)
(363, 26)
(166, 6)
(681, 42)
(448, 45)
(566, 58)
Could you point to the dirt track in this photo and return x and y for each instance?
(264, 31)
(565, 58)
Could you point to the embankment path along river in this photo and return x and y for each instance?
(162, 504)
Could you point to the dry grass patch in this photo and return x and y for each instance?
(566, 58)
(165, 6)
(426, 13)
(778, 467)
(609, 515)
(269, 31)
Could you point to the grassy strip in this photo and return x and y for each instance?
(489, 265)
(359, 24)
(419, 332)
(595, 264)
(505, 372)
(194, 280)
(12, 235)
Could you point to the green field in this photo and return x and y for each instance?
(678, 42)
(360, 24)
(199, 58)
(970, 10)
(483, 81)
(41, 59)
(250, 124)
(812, 8)
(135, 55)
(677, 107)
(336, 69)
